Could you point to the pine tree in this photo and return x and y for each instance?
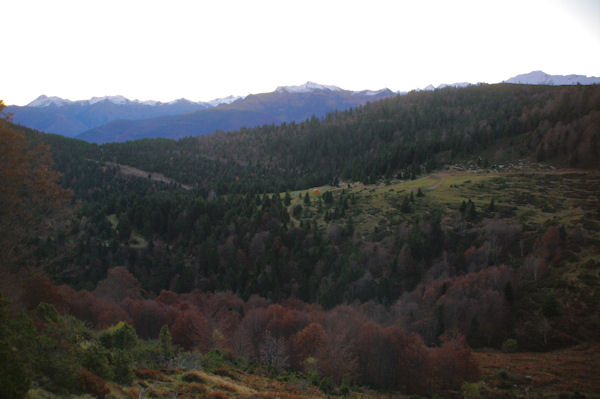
(306, 199)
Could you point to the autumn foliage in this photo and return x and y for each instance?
(30, 195)
(345, 343)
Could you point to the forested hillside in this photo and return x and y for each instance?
(398, 137)
(389, 236)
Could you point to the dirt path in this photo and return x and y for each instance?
(437, 177)
(131, 171)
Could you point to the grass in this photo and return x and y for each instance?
(536, 197)
(542, 374)
(515, 375)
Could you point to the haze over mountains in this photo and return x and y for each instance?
(70, 118)
(118, 119)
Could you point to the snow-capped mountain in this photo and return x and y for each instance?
(224, 100)
(45, 101)
(307, 87)
(459, 84)
(443, 85)
(112, 99)
(285, 104)
(542, 78)
(371, 93)
(70, 118)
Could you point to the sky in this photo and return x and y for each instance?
(201, 50)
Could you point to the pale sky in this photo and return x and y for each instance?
(200, 50)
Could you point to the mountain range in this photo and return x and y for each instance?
(118, 119)
(542, 78)
(285, 104)
(70, 118)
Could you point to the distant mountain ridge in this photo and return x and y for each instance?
(542, 78)
(116, 118)
(285, 104)
(70, 118)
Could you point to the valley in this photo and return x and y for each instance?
(441, 243)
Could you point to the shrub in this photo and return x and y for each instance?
(326, 385)
(225, 373)
(56, 367)
(192, 377)
(510, 346)
(121, 336)
(47, 313)
(97, 360)
(470, 390)
(93, 384)
(150, 374)
(212, 360)
(14, 381)
(123, 371)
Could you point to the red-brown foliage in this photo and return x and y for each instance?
(148, 316)
(98, 312)
(251, 333)
(92, 384)
(390, 359)
(306, 343)
(118, 285)
(31, 198)
(191, 330)
(548, 247)
(283, 322)
(168, 298)
(150, 374)
(336, 357)
(38, 288)
(452, 364)
(225, 310)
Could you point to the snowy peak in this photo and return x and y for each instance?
(224, 100)
(307, 87)
(542, 78)
(372, 93)
(457, 85)
(112, 99)
(443, 85)
(45, 101)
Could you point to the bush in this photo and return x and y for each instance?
(326, 385)
(14, 381)
(123, 371)
(510, 346)
(150, 374)
(470, 390)
(47, 313)
(121, 336)
(212, 360)
(56, 367)
(97, 360)
(93, 384)
(192, 377)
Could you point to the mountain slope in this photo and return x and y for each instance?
(288, 103)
